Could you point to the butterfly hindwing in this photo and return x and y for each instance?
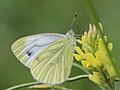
(53, 65)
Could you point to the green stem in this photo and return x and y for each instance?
(58, 87)
(35, 83)
(80, 67)
(92, 12)
(22, 85)
(69, 80)
(51, 87)
(102, 88)
(117, 79)
(77, 77)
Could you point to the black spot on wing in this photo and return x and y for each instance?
(29, 53)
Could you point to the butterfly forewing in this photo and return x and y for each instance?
(54, 63)
(28, 48)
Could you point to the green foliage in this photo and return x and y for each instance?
(26, 17)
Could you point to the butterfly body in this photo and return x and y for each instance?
(49, 56)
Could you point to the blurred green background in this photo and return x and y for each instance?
(20, 18)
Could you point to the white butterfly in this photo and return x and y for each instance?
(49, 56)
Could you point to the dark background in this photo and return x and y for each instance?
(20, 18)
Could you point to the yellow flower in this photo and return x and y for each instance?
(90, 60)
(110, 46)
(80, 56)
(105, 59)
(98, 78)
(95, 56)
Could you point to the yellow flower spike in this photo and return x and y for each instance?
(80, 56)
(90, 62)
(105, 59)
(99, 57)
(95, 31)
(90, 58)
(101, 27)
(85, 64)
(79, 41)
(95, 56)
(77, 57)
(90, 31)
(90, 27)
(79, 51)
(111, 72)
(105, 38)
(87, 42)
(98, 64)
(84, 38)
(90, 37)
(101, 46)
(98, 79)
(110, 46)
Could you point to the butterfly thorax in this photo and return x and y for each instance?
(71, 37)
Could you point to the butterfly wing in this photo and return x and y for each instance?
(28, 48)
(53, 65)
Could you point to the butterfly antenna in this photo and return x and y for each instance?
(73, 21)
